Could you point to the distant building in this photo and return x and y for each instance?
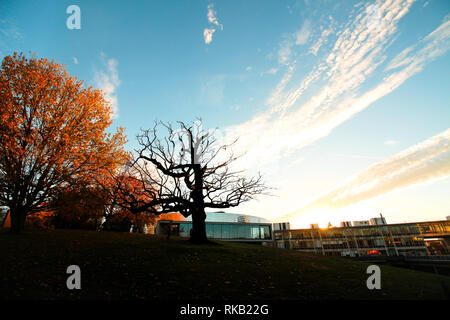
(376, 238)
(281, 226)
(361, 223)
(346, 224)
(377, 221)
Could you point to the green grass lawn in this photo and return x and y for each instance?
(135, 266)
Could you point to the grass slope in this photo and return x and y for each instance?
(133, 266)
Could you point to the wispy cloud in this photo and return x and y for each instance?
(212, 16)
(423, 162)
(285, 51)
(208, 35)
(302, 35)
(271, 71)
(212, 20)
(356, 54)
(432, 46)
(75, 60)
(390, 142)
(323, 38)
(108, 80)
(297, 38)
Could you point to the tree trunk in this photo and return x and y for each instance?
(198, 234)
(18, 218)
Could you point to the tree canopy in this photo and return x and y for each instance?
(187, 170)
(53, 132)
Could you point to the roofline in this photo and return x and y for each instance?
(221, 222)
(377, 225)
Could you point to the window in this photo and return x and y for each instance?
(265, 232)
(226, 231)
(209, 231)
(185, 229)
(233, 231)
(217, 231)
(255, 234)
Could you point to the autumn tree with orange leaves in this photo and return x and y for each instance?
(53, 133)
(80, 207)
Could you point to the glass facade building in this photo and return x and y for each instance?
(249, 232)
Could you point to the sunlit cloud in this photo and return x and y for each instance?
(212, 20)
(208, 35)
(212, 16)
(108, 80)
(323, 38)
(433, 45)
(287, 126)
(421, 163)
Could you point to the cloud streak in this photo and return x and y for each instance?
(420, 163)
(356, 54)
(298, 38)
(108, 80)
(212, 20)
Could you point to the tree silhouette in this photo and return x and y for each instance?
(187, 171)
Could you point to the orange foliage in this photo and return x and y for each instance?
(173, 216)
(40, 220)
(53, 131)
(79, 208)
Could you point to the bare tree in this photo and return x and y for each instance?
(187, 171)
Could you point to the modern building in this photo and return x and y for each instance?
(281, 226)
(378, 221)
(361, 223)
(346, 224)
(235, 228)
(376, 238)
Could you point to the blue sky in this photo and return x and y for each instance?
(343, 106)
